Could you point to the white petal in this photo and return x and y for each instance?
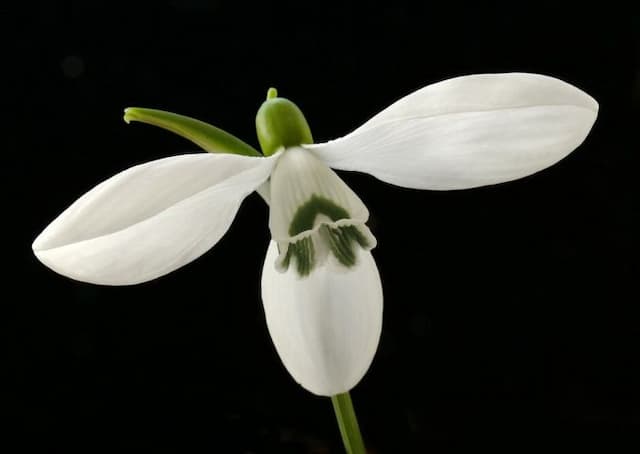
(150, 219)
(468, 131)
(326, 326)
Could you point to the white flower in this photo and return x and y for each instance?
(320, 286)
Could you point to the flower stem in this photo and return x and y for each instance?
(348, 423)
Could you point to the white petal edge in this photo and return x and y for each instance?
(150, 219)
(468, 131)
(326, 326)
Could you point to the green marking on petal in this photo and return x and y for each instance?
(311, 256)
(338, 246)
(342, 243)
(304, 254)
(306, 214)
(286, 261)
(356, 234)
(206, 136)
(342, 240)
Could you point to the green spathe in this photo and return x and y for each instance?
(281, 124)
(206, 136)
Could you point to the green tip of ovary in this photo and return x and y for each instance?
(272, 93)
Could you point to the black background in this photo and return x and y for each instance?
(510, 311)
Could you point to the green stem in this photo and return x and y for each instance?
(348, 423)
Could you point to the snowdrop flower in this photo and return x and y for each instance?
(321, 289)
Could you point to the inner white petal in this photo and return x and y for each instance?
(314, 213)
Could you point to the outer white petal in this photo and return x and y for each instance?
(468, 131)
(150, 219)
(326, 326)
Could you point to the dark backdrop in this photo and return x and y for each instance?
(510, 321)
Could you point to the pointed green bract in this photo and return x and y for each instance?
(206, 136)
